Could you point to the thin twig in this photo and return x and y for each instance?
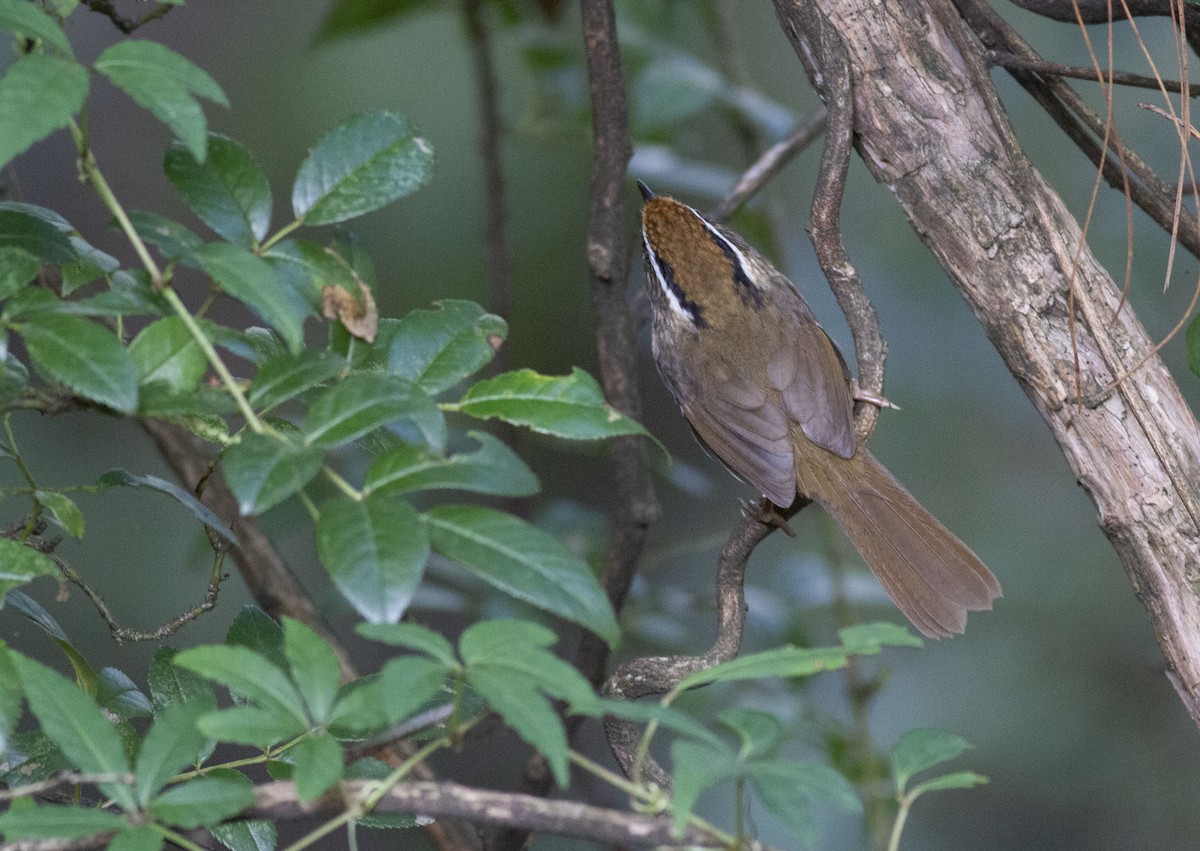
(1120, 78)
(773, 160)
(127, 25)
(495, 213)
(61, 778)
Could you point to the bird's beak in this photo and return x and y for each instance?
(647, 192)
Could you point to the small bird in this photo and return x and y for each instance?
(767, 391)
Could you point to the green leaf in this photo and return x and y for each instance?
(357, 406)
(249, 835)
(123, 478)
(252, 280)
(171, 685)
(286, 375)
(171, 743)
(787, 662)
(319, 764)
(263, 471)
(513, 647)
(20, 564)
(414, 637)
(314, 666)
(369, 768)
(142, 838)
(347, 17)
(375, 551)
(172, 238)
(1193, 345)
(120, 696)
(247, 673)
(409, 682)
(367, 162)
(923, 748)
(760, 732)
(697, 767)
(255, 630)
(491, 469)
(203, 801)
(251, 725)
(523, 561)
(10, 698)
(85, 357)
(570, 406)
(436, 349)
(531, 716)
(958, 780)
(76, 724)
(52, 821)
(162, 81)
(17, 268)
(870, 638)
(666, 717)
(227, 190)
(22, 226)
(25, 19)
(166, 351)
(38, 95)
(787, 788)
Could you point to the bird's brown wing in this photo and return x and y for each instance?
(743, 425)
(812, 379)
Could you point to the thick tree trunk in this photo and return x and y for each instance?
(930, 127)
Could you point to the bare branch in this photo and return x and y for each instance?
(1055, 69)
(127, 25)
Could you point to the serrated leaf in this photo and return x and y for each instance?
(318, 765)
(513, 647)
(202, 801)
(375, 551)
(248, 835)
(171, 743)
(119, 696)
(923, 748)
(165, 351)
(367, 162)
(54, 821)
(314, 667)
(172, 238)
(414, 637)
(227, 190)
(85, 357)
(491, 469)
(166, 84)
(250, 725)
(517, 700)
(38, 95)
(263, 471)
(141, 838)
(26, 19)
(780, 662)
(359, 405)
(255, 630)
(252, 280)
(570, 406)
(171, 685)
(76, 724)
(247, 673)
(523, 561)
(408, 683)
(286, 375)
(123, 478)
(20, 564)
(436, 349)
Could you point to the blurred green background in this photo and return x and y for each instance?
(1061, 688)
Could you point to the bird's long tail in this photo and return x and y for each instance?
(930, 574)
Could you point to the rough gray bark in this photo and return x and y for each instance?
(930, 127)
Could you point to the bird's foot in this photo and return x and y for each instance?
(860, 395)
(764, 511)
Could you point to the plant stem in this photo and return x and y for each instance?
(898, 826)
(278, 235)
